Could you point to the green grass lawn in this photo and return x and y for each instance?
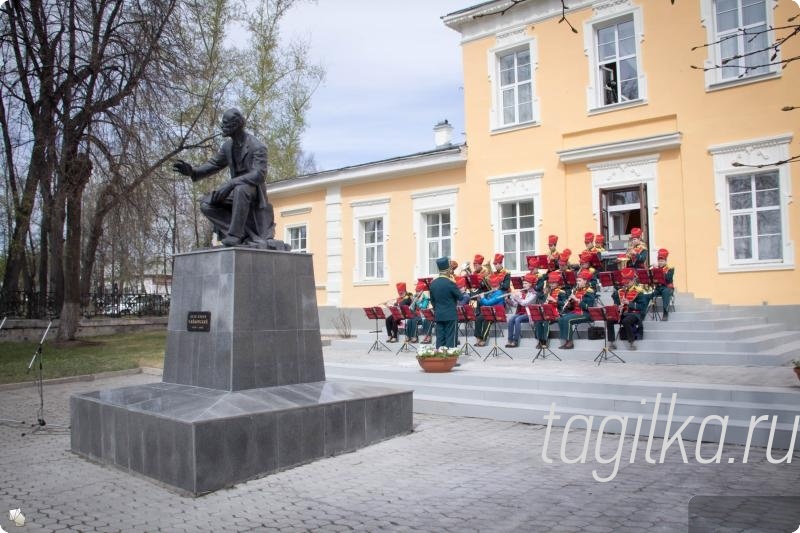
(83, 356)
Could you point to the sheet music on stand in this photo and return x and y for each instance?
(539, 313)
(376, 314)
(494, 314)
(606, 314)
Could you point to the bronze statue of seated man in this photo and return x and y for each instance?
(239, 209)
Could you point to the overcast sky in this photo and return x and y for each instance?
(393, 70)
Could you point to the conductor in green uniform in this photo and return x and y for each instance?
(444, 297)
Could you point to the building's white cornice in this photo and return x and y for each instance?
(485, 20)
(379, 170)
(629, 147)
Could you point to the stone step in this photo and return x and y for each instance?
(675, 322)
(588, 351)
(654, 332)
(525, 399)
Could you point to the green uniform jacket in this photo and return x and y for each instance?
(444, 297)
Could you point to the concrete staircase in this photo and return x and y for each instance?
(526, 398)
(697, 333)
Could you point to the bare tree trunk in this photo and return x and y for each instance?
(76, 176)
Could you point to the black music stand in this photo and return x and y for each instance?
(41, 425)
(494, 314)
(406, 314)
(657, 275)
(376, 313)
(465, 315)
(605, 314)
(538, 313)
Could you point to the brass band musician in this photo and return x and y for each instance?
(552, 254)
(664, 291)
(556, 296)
(403, 298)
(637, 251)
(633, 303)
(576, 308)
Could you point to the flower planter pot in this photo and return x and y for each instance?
(437, 364)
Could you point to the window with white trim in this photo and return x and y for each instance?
(612, 41)
(516, 86)
(517, 232)
(512, 73)
(297, 238)
(753, 204)
(741, 38)
(755, 217)
(437, 239)
(617, 73)
(372, 248)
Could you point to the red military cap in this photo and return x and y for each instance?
(532, 262)
(663, 253)
(554, 277)
(530, 278)
(628, 273)
(636, 233)
(421, 286)
(585, 274)
(588, 237)
(461, 282)
(564, 257)
(599, 239)
(498, 259)
(401, 288)
(552, 240)
(478, 259)
(586, 257)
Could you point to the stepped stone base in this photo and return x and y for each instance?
(199, 440)
(244, 391)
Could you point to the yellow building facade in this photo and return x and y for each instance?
(603, 130)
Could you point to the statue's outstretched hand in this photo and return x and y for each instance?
(182, 167)
(218, 196)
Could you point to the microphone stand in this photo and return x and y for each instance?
(8, 420)
(40, 422)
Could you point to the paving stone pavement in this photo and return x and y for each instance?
(450, 474)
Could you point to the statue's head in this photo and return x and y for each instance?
(232, 121)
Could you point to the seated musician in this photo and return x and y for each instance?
(519, 299)
(499, 283)
(421, 300)
(403, 298)
(637, 251)
(665, 291)
(586, 258)
(533, 270)
(563, 267)
(588, 242)
(461, 283)
(552, 253)
(478, 266)
(633, 303)
(599, 243)
(555, 296)
(576, 308)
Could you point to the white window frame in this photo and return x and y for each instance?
(763, 151)
(713, 76)
(511, 188)
(362, 212)
(512, 41)
(288, 236)
(520, 256)
(605, 13)
(424, 203)
(431, 269)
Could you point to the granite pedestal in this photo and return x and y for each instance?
(244, 391)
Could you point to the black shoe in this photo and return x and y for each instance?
(631, 346)
(665, 317)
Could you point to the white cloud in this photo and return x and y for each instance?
(393, 70)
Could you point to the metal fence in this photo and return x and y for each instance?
(31, 305)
